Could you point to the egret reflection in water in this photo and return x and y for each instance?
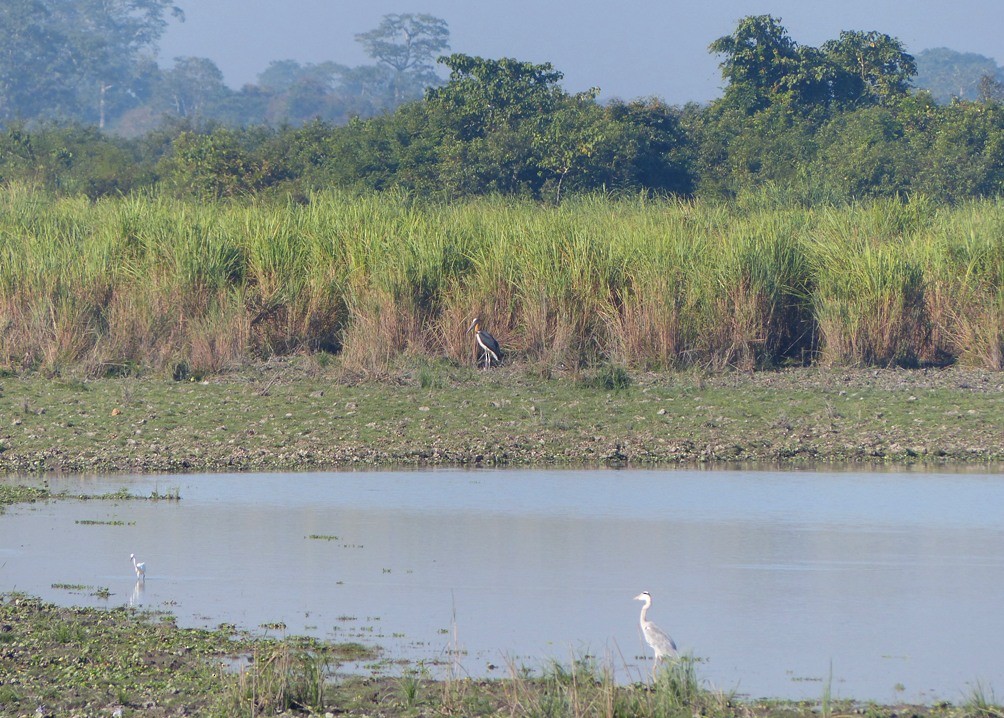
(138, 593)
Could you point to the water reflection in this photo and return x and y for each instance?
(138, 592)
(767, 577)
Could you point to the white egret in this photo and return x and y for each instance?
(139, 568)
(655, 637)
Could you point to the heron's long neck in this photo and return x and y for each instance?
(644, 611)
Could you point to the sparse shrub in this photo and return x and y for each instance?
(981, 703)
(608, 378)
(280, 678)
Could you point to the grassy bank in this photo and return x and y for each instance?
(92, 662)
(128, 285)
(297, 414)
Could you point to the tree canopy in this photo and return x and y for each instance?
(763, 65)
(838, 122)
(71, 60)
(949, 75)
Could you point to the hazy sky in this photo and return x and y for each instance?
(627, 48)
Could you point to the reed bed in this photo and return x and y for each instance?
(151, 283)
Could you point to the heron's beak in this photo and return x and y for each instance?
(471, 328)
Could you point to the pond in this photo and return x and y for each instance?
(884, 586)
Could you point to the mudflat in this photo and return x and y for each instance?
(296, 414)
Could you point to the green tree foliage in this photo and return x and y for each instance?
(880, 67)
(32, 63)
(830, 124)
(498, 126)
(949, 75)
(407, 45)
(961, 152)
(759, 61)
(763, 65)
(867, 153)
(72, 159)
(62, 60)
(737, 152)
(488, 96)
(192, 88)
(493, 113)
(218, 164)
(803, 118)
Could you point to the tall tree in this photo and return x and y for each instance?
(881, 68)
(62, 59)
(991, 90)
(757, 58)
(949, 74)
(483, 95)
(408, 45)
(34, 64)
(191, 86)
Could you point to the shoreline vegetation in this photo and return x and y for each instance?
(122, 661)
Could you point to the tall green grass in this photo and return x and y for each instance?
(148, 282)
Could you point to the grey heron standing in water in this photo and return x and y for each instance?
(488, 344)
(655, 637)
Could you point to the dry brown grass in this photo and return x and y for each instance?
(140, 284)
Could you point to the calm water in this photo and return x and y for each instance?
(770, 578)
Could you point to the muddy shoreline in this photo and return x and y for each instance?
(293, 416)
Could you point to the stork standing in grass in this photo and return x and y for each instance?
(488, 344)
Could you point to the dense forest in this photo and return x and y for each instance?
(91, 62)
(85, 109)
